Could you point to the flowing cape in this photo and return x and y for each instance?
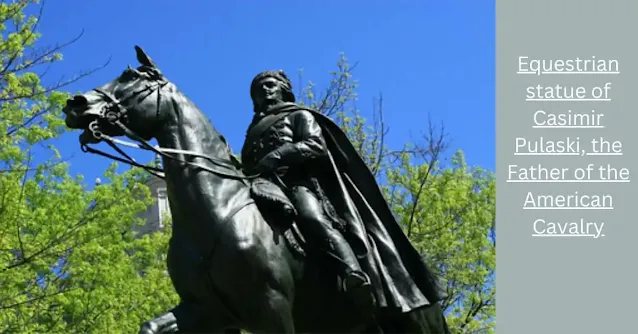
(401, 277)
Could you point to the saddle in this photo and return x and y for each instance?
(269, 196)
(276, 207)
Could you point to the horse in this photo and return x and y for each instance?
(232, 268)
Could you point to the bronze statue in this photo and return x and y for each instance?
(285, 144)
(241, 255)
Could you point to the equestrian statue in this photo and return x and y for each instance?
(297, 237)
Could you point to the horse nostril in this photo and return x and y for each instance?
(77, 102)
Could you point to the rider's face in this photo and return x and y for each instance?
(268, 91)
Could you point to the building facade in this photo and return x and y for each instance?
(156, 213)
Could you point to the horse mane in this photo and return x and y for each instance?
(182, 105)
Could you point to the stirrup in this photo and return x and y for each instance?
(360, 292)
(348, 284)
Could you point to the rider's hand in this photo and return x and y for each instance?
(269, 163)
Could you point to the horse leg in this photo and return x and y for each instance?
(186, 317)
(200, 317)
(280, 319)
(270, 312)
(165, 323)
(256, 286)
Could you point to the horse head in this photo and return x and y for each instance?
(130, 104)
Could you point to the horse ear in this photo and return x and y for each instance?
(143, 58)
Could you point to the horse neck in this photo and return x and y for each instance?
(194, 190)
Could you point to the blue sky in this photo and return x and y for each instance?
(433, 57)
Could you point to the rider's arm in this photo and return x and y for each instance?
(308, 142)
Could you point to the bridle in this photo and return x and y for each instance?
(114, 113)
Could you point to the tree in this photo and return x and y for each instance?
(68, 261)
(447, 211)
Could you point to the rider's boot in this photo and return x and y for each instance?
(354, 281)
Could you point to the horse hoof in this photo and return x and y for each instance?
(148, 328)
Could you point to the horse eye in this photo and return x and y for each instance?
(129, 75)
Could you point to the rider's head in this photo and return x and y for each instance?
(271, 87)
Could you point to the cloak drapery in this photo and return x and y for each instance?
(399, 274)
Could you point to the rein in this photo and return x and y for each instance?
(114, 111)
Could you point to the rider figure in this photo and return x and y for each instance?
(289, 147)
